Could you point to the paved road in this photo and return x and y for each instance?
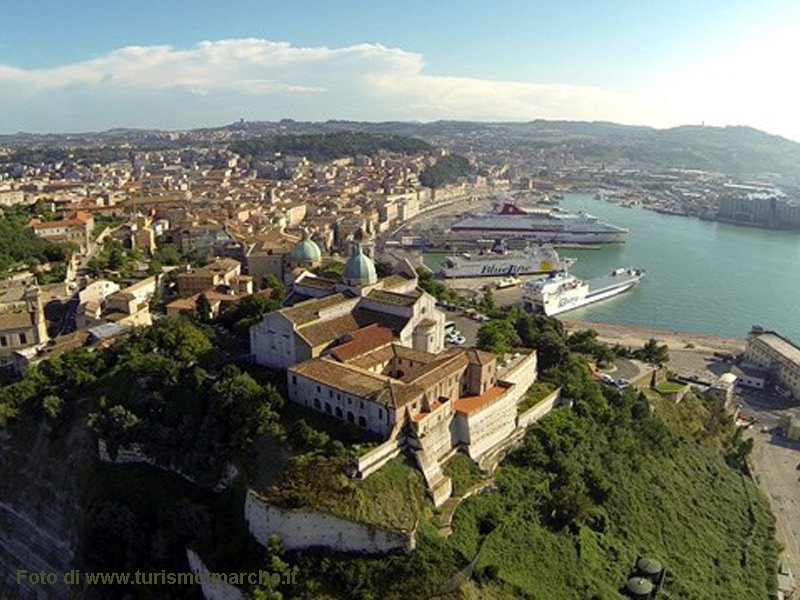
(776, 466)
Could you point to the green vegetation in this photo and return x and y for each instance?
(498, 336)
(590, 488)
(19, 246)
(436, 288)
(464, 472)
(162, 389)
(116, 258)
(78, 155)
(328, 146)
(448, 169)
(670, 387)
(652, 353)
(535, 394)
(586, 342)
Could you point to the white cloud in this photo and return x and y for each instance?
(216, 82)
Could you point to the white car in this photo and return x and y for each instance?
(460, 340)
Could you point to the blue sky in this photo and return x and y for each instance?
(91, 64)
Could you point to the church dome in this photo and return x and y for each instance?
(359, 269)
(306, 250)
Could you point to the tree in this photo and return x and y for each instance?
(498, 336)
(241, 402)
(169, 254)
(52, 406)
(654, 354)
(487, 302)
(276, 285)
(203, 308)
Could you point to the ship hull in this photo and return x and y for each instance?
(597, 291)
(513, 270)
(541, 237)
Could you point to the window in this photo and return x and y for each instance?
(294, 379)
(328, 407)
(349, 401)
(330, 393)
(3, 341)
(23, 339)
(362, 422)
(338, 412)
(319, 390)
(361, 404)
(351, 418)
(317, 404)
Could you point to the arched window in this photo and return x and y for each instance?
(328, 407)
(317, 404)
(351, 417)
(338, 412)
(362, 422)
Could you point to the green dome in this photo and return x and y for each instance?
(639, 586)
(359, 269)
(306, 250)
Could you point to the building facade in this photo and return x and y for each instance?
(779, 356)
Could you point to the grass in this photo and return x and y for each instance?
(669, 494)
(535, 394)
(464, 472)
(393, 497)
(670, 387)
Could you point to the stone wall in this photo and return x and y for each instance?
(373, 460)
(300, 529)
(539, 410)
(215, 591)
(134, 454)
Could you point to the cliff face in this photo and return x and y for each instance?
(40, 513)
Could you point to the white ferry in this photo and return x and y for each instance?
(549, 226)
(534, 260)
(562, 292)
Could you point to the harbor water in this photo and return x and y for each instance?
(702, 276)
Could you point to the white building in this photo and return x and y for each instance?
(776, 354)
(323, 311)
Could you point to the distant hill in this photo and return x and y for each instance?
(328, 146)
(735, 150)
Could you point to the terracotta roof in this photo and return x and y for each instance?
(393, 281)
(308, 310)
(480, 357)
(429, 375)
(319, 332)
(15, 320)
(363, 340)
(471, 404)
(393, 298)
(340, 376)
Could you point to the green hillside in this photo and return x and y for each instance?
(589, 490)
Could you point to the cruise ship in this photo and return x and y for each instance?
(534, 260)
(563, 291)
(548, 226)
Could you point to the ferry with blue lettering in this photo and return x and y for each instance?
(534, 260)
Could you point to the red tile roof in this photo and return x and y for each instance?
(471, 404)
(363, 340)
